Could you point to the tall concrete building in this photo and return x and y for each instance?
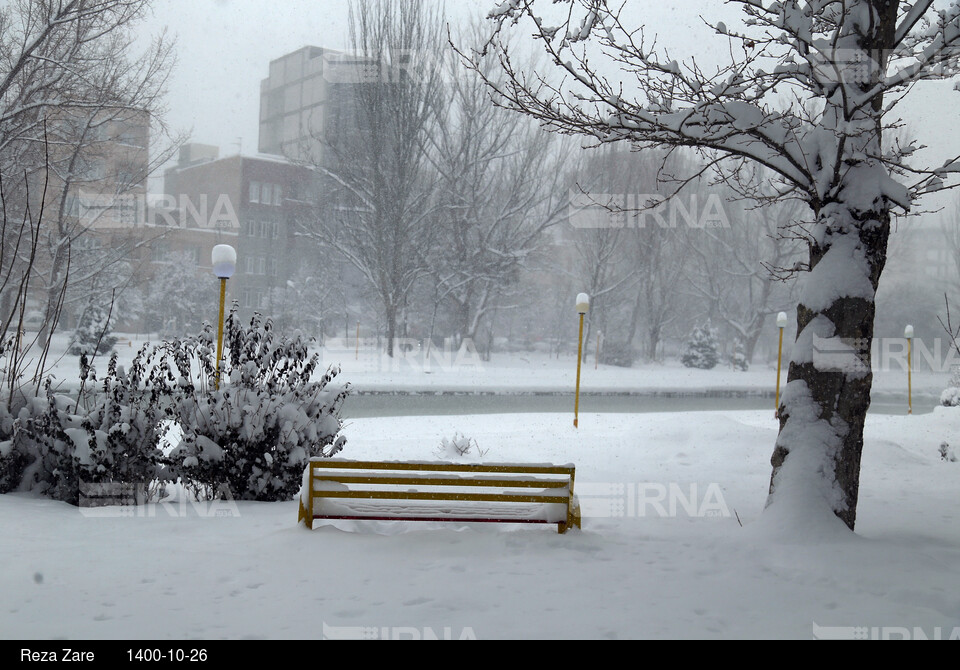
(311, 94)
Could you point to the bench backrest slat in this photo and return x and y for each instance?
(443, 467)
(443, 481)
(428, 495)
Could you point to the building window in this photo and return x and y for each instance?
(255, 265)
(131, 138)
(255, 191)
(158, 252)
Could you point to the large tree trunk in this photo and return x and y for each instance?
(391, 319)
(827, 395)
(653, 341)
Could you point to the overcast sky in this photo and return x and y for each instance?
(225, 48)
(224, 51)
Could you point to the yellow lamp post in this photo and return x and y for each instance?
(224, 265)
(583, 305)
(781, 324)
(908, 333)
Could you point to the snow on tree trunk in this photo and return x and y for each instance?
(827, 395)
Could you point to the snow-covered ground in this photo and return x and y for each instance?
(662, 552)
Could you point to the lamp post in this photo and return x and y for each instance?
(583, 304)
(224, 264)
(781, 324)
(908, 333)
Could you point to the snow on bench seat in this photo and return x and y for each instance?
(440, 491)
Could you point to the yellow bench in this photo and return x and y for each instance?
(431, 491)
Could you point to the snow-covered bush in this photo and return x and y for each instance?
(950, 397)
(738, 359)
(459, 446)
(126, 419)
(44, 439)
(255, 433)
(110, 435)
(620, 354)
(946, 453)
(702, 348)
(93, 331)
(12, 460)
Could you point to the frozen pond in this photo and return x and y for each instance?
(368, 405)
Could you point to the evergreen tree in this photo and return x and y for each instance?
(93, 331)
(702, 348)
(739, 357)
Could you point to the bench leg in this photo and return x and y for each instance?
(573, 517)
(305, 515)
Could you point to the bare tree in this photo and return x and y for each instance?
(846, 64)
(660, 254)
(950, 227)
(503, 185)
(70, 87)
(735, 269)
(603, 272)
(640, 190)
(380, 190)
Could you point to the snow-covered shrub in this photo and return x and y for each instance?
(620, 354)
(44, 438)
(702, 348)
(950, 397)
(126, 419)
(110, 435)
(738, 359)
(255, 434)
(93, 331)
(459, 446)
(946, 453)
(12, 460)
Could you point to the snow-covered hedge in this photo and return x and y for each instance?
(251, 437)
(950, 397)
(255, 433)
(110, 434)
(620, 354)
